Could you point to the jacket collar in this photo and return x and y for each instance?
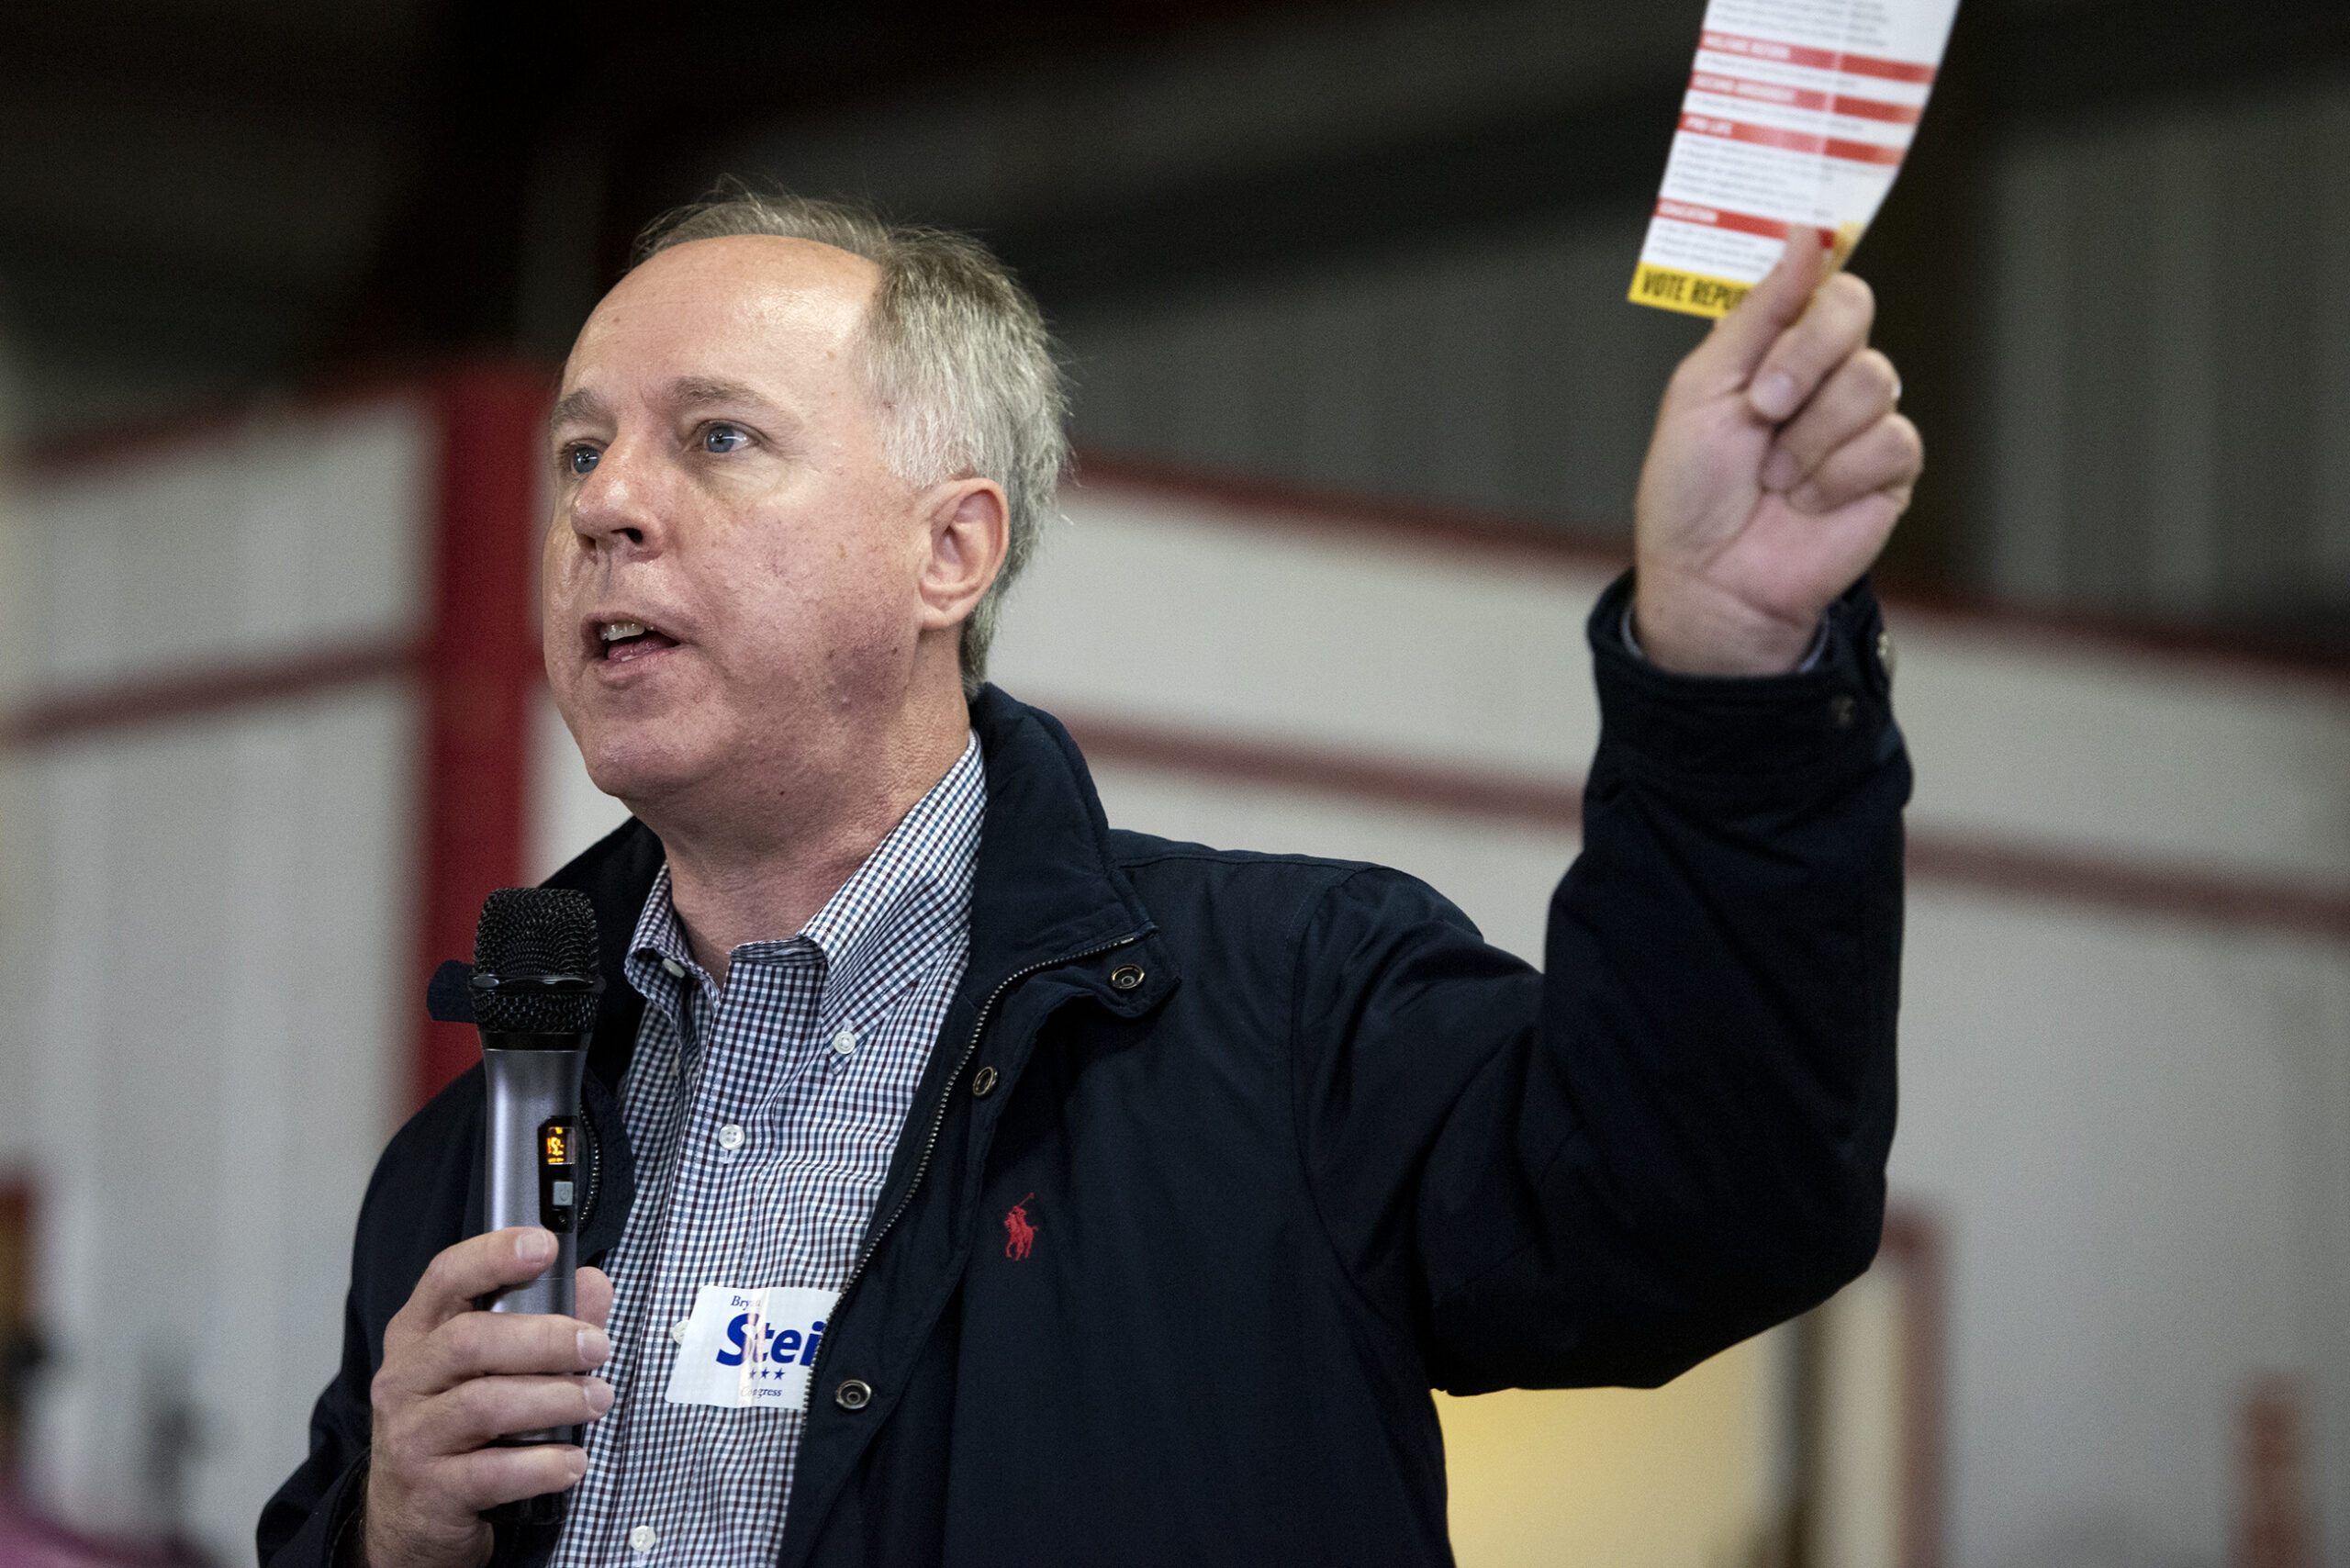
(1045, 890)
(1046, 886)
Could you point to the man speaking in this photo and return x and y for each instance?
(974, 1182)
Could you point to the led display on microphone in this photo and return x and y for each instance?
(558, 1186)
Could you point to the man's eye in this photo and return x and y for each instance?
(582, 459)
(725, 438)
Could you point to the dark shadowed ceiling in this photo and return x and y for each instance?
(199, 196)
(202, 200)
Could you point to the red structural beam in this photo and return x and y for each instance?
(481, 666)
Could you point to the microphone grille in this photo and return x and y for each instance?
(535, 931)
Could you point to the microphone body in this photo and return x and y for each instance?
(532, 1155)
(536, 988)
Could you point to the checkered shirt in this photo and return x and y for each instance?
(806, 1061)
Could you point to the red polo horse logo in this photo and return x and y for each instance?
(1018, 1234)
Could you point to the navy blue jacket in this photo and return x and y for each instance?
(1297, 1146)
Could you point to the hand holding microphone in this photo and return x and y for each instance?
(455, 1379)
(478, 1408)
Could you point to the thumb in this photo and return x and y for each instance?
(1735, 349)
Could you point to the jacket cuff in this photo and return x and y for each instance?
(328, 1536)
(347, 1516)
(337, 1527)
(1834, 714)
(1626, 635)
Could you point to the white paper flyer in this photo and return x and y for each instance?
(1798, 113)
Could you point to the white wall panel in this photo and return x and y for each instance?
(2086, 748)
(288, 536)
(19, 844)
(1155, 607)
(217, 1013)
(212, 916)
(22, 925)
(566, 811)
(2133, 1128)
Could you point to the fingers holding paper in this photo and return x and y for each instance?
(1846, 442)
(1778, 468)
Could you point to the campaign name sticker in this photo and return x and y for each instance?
(750, 1348)
(1798, 115)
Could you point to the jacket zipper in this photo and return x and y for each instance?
(938, 1122)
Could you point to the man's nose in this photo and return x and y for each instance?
(618, 506)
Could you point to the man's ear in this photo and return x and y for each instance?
(970, 532)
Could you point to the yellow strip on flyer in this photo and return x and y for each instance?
(1692, 294)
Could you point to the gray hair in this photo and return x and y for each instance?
(956, 357)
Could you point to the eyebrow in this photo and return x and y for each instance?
(685, 392)
(573, 405)
(693, 391)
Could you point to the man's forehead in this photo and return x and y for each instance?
(747, 270)
(676, 324)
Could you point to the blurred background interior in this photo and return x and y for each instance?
(1360, 406)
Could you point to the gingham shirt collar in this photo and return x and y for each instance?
(921, 871)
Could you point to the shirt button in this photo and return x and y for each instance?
(845, 1042)
(644, 1539)
(730, 1137)
(678, 1330)
(677, 971)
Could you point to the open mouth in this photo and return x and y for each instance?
(626, 639)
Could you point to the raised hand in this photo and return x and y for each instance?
(1776, 472)
(452, 1379)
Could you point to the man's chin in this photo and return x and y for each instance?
(641, 775)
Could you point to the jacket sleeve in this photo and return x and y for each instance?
(1676, 1135)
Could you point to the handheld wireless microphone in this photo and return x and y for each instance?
(535, 987)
